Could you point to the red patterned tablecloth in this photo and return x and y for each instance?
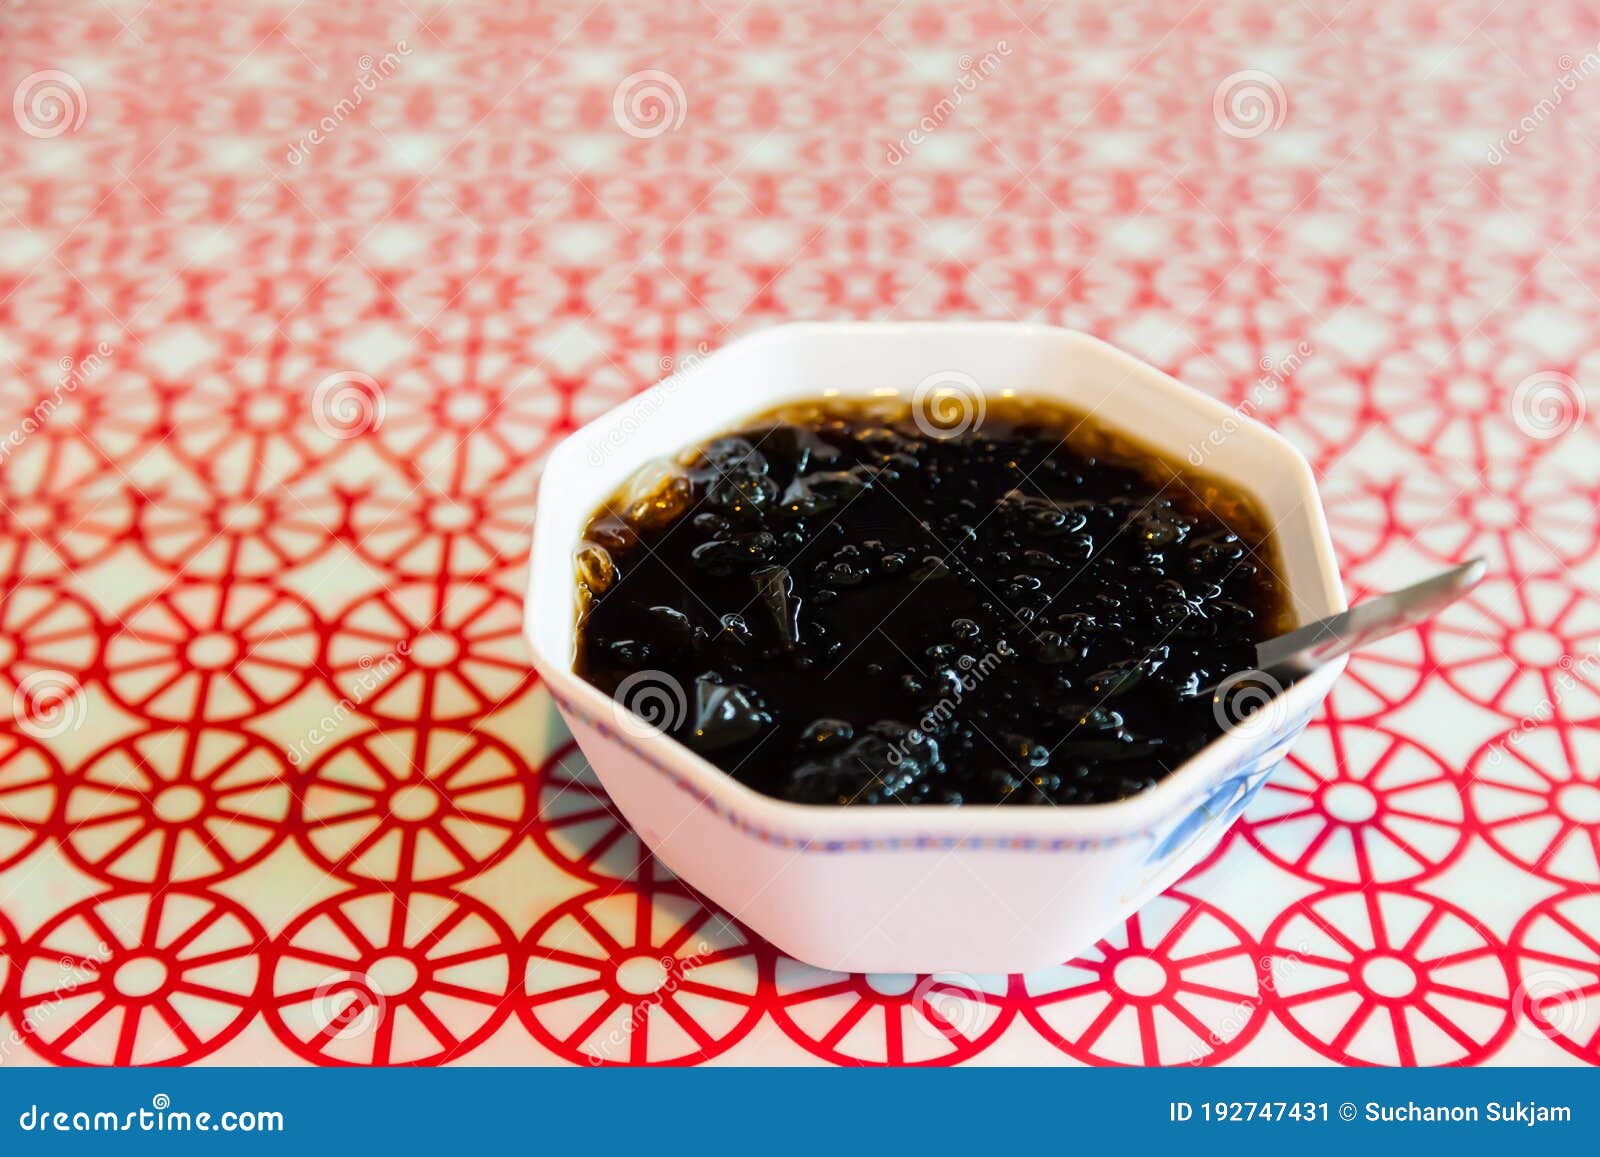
(295, 297)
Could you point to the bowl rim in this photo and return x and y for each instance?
(1136, 815)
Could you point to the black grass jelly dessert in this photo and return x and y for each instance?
(844, 602)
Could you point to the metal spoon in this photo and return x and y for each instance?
(1306, 648)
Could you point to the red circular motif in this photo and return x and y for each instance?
(45, 633)
(425, 805)
(642, 978)
(1524, 647)
(1177, 984)
(439, 418)
(429, 529)
(1523, 521)
(428, 651)
(1557, 951)
(137, 977)
(241, 437)
(942, 1018)
(211, 652)
(579, 827)
(186, 805)
(1358, 516)
(8, 943)
(1319, 404)
(1382, 976)
(207, 534)
(1355, 803)
(1381, 676)
(30, 782)
(62, 508)
(1536, 792)
(374, 976)
(1449, 397)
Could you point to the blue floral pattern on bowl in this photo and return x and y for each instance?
(1232, 794)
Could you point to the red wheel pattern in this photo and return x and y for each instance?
(621, 976)
(1317, 404)
(8, 950)
(1383, 676)
(186, 805)
(427, 805)
(212, 652)
(205, 534)
(30, 783)
(1359, 516)
(433, 413)
(429, 651)
(1384, 976)
(1177, 984)
(423, 530)
(1557, 948)
(940, 1018)
(241, 438)
(1524, 522)
(1536, 792)
(1474, 424)
(1358, 804)
(61, 509)
(1518, 645)
(1321, 407)
(374, 976)
(45, 633)
(137, 977)
(579, 827)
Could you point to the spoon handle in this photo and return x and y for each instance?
(1306, 648)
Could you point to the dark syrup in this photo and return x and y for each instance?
(836, 607)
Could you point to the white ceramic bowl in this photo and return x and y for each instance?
(920, 889)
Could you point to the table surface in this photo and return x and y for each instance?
(295, 298)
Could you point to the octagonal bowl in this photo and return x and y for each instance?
(968, 889)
